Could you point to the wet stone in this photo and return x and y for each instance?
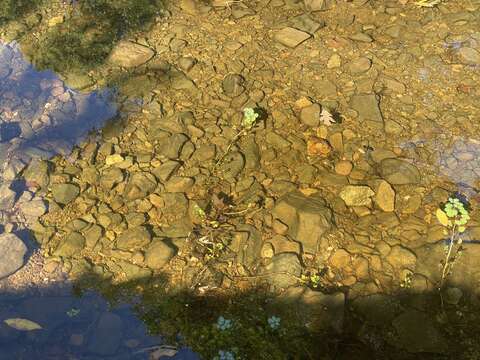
(134, 238)
(357, 195)
(166, 170)
(12, 254)
(305, 23)
(417, 333)
(385, 196)
(307, 218)
(179, 184)
(368, 109)
(291, 37)
(232, 165)
(233, 85)
(158, 254)
(7, 197)
(33, 209)
(128, 54)
(107, 335)
(469, 56)
(310, 115)
(71, 245)
(140, 185)
(359, 65)
(399, 172)
(65, 193)
(284, 269)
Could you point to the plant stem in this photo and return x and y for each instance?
(450, 248)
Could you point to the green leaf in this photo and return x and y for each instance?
(22, 324)
(442, 217)
(461, 229)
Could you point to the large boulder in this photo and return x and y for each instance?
(307, 218)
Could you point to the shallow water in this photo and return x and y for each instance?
(41, 117)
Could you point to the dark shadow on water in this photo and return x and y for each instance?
(40, 116)
(89, 33)
(16, 9)
(374, 327)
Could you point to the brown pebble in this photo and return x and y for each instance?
(343, 167)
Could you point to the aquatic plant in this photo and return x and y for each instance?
(224, 324)
(274, 322)
(454, 216)
(224, 355)
(249, 118)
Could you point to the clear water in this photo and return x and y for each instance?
(39, 118)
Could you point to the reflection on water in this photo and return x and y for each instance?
(39, 115)
(72, 328)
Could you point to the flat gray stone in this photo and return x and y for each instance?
(307, 218)
(368, 109)
(158, 254)
(128, 54)
(65, 193)
(399, 172)
(134, 238)
(360, 65)
(284, 270)
(469, 56)
(291, 37)
(107, 335)
(12, 254)
(72, 245)
(7, 197)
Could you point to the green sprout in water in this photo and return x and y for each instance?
(454, 216)
(249, 118)
(274, 322)
(73, 312)
(311, 279)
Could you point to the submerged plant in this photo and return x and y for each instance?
(274, 322)
(224, 324)
(454, 216)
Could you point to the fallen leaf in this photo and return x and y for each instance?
(442, 217)
(22, 324)
(326, 118)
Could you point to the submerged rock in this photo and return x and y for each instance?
(399, 172)
(417, 333)
(307, 218)
(129, 54)
(283, 270)
(65, 193)
(134, 238)
(12, 254)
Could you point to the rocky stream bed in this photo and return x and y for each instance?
(324, 210)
